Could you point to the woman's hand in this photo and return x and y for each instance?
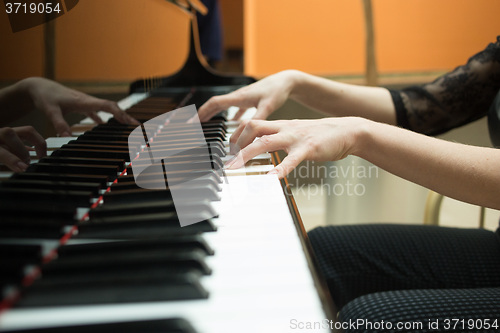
(55, 100)
(327, 139)
(266, 95)
(14, 153)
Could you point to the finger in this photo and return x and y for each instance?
(54, 113)
(14, 153)
(12, 161)
(219, 103)
(267, 143)
(114, 109)
(289, 163)
(235, 135)
(240, 113)
(264, 109)
(255, 129)
(29, 134)
(93, 115)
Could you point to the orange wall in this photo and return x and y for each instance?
(110, 40)
(20, 53)
(232, 23)
(121, 40)
(327, 36)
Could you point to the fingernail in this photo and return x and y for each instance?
(21, 166)
(65, 134)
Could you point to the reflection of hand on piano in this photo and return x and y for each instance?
(54, 100)
(13, 153)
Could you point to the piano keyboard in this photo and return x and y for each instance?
(83, 249)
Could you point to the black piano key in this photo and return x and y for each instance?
(82, 140)
(173, 177)
(109, 136)
(84, 267)
(141, 227)
(123, 289)
(119, 163)
(147, 207)
(102, 180)
(11, 273)
(190, 194)
(171, 148)
(98, 145)
(36, 210)
(132, 185)
(69, 197)
(187, 158)
(166, 220)
(29, 253)
(114, 127)
(187, 242)
(93, 188)
(23, 222)
(108, 170)
(13, 260)
(34, 228)
(95, 153)
(170, 325)
(180, 135)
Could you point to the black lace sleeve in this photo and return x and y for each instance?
(454, 99)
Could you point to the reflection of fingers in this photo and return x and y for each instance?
(12, 161)
(13, 143)
(114, 109)
(93, 115)
(61, 126)
(29, 134)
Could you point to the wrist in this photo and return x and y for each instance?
(24, 91)
(362, 136)
(295, 81)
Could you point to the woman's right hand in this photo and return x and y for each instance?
(266, 95)
(14, 153)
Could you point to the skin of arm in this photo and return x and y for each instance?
(326, 96)
(462, 172)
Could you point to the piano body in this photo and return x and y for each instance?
(84, 249)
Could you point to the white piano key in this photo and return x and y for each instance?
(6, 174)
(249, 113)
(58, 142)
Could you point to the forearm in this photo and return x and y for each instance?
(15, 102)
(465, 173)
(340, 99)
